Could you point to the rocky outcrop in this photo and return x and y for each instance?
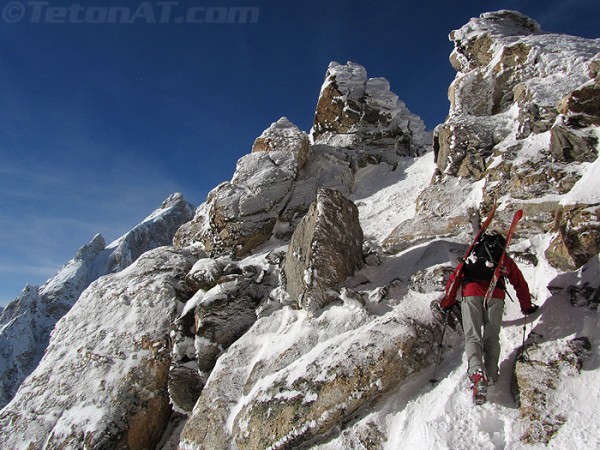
(223, 314)
(326, 248)
(298, 387)
(362, 113)
(572, 139)
(522, 120)
(296, 408)
(463, 146)
(103, 384)
(223, 308)
(504, 59)
(26, 323)
(538, 377)
(241, 214)
(358, 121)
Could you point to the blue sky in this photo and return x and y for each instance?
(100, 122)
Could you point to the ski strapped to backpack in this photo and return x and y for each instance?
(498, 271)
(453, 288)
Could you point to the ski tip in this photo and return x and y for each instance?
(519, 214)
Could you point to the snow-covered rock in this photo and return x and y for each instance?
(103, 378)
(325, 249)
(521, 120)
(26, 323)
(283, 135)
(241, 214)
(538, 375)
(358, 112)
(292, 378)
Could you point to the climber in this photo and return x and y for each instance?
(483, 349)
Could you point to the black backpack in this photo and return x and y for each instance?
(484, 258)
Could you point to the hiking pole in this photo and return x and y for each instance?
(434, 379)
(522, 356)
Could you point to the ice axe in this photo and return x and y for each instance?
(434, 379)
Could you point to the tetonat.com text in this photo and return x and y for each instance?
(145, 12)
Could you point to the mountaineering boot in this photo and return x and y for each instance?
(479, 387)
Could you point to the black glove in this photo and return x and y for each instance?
(533, 308)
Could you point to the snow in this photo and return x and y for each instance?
(386, 197)
(587, 188)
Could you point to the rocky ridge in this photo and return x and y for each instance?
(218, 327)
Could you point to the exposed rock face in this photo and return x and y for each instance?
(572, 139)
(488, 72)
(502, 59)
(224, 314)
(209, 328)
(578, 236)
(109, 377)
(326, 248)
(300, 388)
(26, 323)
(356, 111)
(522, 119)
(464, 145)
(537, 379)
(330, 392)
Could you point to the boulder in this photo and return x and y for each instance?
(325, 249)
(536, 380)
(103, 383)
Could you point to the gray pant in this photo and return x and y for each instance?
(482, 350)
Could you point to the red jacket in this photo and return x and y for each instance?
(479, 288)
